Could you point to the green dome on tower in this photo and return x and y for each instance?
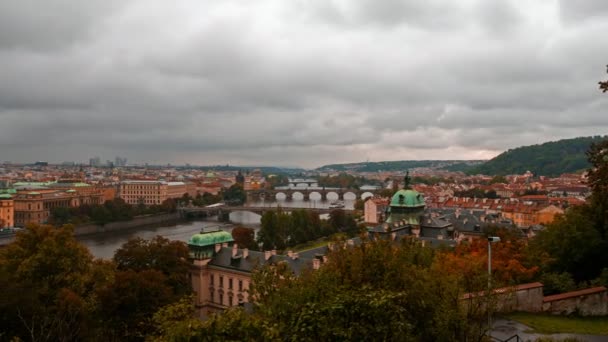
(407, 199)
(210, 238)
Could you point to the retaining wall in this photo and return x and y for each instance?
(587, 302)
(124, 225)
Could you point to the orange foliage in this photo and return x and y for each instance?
(508, 259)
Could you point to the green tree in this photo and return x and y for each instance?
(128, 304)
(160, 254)
(597, 178)
(360, 204)
(235, 195)
(269, 231)
(177, 322)
(377, 289)
(47, 280)
(574, 243)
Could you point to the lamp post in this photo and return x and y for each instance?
(491, 239)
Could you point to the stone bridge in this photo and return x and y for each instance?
(254, 195)
(224, 211)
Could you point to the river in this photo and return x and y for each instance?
(104, 245)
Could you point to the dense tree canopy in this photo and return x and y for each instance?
(548, 159)
(281, 229)
(48, 281)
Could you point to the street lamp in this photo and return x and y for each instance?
(491, 239)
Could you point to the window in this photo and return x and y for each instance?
(230, 283)
(211, 280)
(221, 281)
(211, 295)
(229, 300)
(240, 285)
(221, 299)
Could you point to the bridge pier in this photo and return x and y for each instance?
(323, 196)
(340, 196)
(289, 196)
(306, 196)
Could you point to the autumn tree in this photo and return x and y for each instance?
(510, 261)
(160, 254)
(244, 237)
(128, 304)
(48, 281)
(377, 289)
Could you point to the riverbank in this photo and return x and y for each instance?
(136, 222)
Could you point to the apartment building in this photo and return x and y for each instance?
(153, 192)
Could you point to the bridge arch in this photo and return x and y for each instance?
(350, 195)
(366, 195)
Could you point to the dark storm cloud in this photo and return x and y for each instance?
(296, 82)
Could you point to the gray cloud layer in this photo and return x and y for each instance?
(296, 82)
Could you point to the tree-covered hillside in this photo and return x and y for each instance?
(548, 159)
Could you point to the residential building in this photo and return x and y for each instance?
(221, 272)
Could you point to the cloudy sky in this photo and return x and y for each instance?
(297, 82)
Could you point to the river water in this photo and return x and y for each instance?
(104, 245)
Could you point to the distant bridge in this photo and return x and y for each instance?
(222, 211)
(255, 195)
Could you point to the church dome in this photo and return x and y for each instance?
(210, 238)
(407, 199)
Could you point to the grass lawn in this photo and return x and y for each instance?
(549, 324)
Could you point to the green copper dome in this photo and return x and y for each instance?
(210, 238)
(407, 199)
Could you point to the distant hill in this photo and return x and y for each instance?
(548, 159)
(402, 165)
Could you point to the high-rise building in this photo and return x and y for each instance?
(95, 161)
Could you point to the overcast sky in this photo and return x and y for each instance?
(297, 82)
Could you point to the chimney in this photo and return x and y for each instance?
(267, 255)
(316, 263)
(218, 247)
(235, 250)
(245, 253)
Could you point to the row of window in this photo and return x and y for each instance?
(221, 282)
(221, 298)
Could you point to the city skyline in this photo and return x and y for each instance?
(296, 84)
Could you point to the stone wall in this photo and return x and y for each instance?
(524, 297)
(529, 298)
(125, 225)
(587, 302)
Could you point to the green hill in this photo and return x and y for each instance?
(548, 159)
